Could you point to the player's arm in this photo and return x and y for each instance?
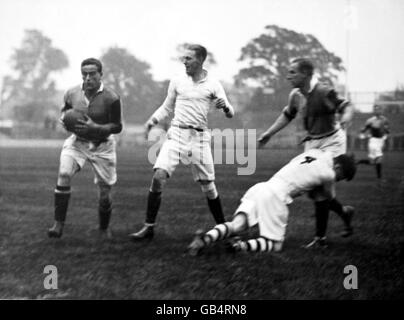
(287, 115)
(88, 126)
(221, 101)
(164, 110)
(66, 106)
(344, 107)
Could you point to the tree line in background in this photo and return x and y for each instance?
(260, 86)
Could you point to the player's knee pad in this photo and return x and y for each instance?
(159, 180)
(209, 189)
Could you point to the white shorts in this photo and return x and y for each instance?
(102, 157)
(375, 148)
(189, 147)
(266, 204)
(336, 143)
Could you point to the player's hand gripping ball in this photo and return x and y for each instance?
(71, 118)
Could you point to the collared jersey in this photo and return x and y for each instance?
(307, 171)
(190, 101)
(103, 108)
(319, 109)
(377, 126)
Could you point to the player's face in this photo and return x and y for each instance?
(377, 110)
(91, 77)
(296, 77)
(191, 62)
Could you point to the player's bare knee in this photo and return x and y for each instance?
(159, 180)
(239, 222)
(64, 177)
(209, 189)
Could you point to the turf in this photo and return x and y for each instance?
(92, 268)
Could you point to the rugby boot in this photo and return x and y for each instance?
(317, 243)
(146, 233)
(56, 231)
(197, 244)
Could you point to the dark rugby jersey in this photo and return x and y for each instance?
(319, 109)
(377, 126)
(104, 109)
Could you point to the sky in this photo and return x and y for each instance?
(372, 47)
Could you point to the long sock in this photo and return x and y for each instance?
(62, 196)
(363, 161)
(153, 205)
(219, 232)
(379, 170)
(322, 210)
(260, 244)
(104, 214)
(337, 207)
(216, 209)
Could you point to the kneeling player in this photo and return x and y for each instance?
(266, 203)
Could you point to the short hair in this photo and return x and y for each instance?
(348, 165)
(199, 50)
(304, 65)
(93, 61)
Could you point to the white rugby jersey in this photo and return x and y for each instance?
(307, 171)
(190, 101)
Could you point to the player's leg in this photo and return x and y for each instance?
(166, 163)
(103, 160)
(214, 202)
(219, 232)
(345, 213)
(321, 208)
(203, 171)
(104, 208)
(378, 165)
(266, 204)
(68, 167)
(153, 205)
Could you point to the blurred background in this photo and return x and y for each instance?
(355, 45)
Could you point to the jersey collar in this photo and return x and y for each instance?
(100, 89)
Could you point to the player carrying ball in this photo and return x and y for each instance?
(190, 97)
(91, 140)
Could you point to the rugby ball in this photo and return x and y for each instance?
(71, 118)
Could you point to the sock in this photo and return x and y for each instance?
(62, 196)
(379, 170)
(337, 207)
(363, 161)
(322, 210)
(219, 232)
(104, 214)
(215, 207)
(257, 245)
(153, 205)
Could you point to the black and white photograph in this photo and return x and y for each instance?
(201, 155)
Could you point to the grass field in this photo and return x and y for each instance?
(89, 268)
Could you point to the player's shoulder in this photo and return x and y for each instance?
(74, 90)
(326, 89)
(110, 93)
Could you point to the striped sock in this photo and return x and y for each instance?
(219, 232)
(260, 244)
